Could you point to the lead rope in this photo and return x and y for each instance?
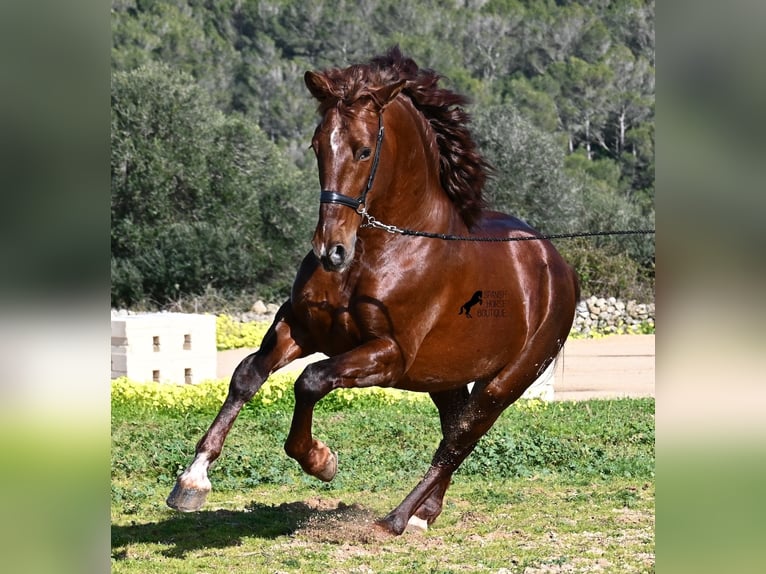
(370, 221)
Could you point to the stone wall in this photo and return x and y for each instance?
(611, 315)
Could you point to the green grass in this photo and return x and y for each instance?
(555, 487)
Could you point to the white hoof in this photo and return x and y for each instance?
(415, 524)
(192, 487)
(330, 469)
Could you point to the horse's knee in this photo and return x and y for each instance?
(313, 384)
(247, 379)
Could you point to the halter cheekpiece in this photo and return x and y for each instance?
(358, 204)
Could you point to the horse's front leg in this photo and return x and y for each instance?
(378, 363)
(278, 348)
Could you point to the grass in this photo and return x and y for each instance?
(561, 487)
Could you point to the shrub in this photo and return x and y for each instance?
(195, 195)
(233, 334)
(276, 393)
(606, 270)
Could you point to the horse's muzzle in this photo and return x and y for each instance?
(334, 239)
(336, 258)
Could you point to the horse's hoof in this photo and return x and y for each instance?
(186, 499)
(389, 526)
(330, 468)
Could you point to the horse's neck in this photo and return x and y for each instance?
(428, 207)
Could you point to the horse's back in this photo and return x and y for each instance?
(496, 222)
(520, 240)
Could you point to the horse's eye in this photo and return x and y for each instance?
(363, 153)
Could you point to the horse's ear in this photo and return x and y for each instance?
(317, 85)
(386, 94)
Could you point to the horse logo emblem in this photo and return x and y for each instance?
(470, 303)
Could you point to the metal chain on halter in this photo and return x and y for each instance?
(370, 221)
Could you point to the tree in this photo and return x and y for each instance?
(193, 194)
(161, 126)
(594, 42)
(182, 34)
(632, 24)
(630, 96)
(490, 51)
(529, 179)
(581, 100)
(533, 104)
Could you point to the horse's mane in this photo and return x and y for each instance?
(463, 170)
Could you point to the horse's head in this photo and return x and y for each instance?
(348, 143)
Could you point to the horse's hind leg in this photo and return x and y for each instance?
(480, 412)
(450, 405)
(277, 349)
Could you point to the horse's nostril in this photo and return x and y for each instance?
(337, 255)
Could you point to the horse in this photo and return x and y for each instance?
(381, 304)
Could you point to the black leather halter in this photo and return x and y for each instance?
(358, 204)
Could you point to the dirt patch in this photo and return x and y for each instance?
(352, 528)
(332, 521)
(335, 522)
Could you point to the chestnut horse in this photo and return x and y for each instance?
(384, 306)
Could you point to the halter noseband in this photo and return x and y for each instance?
(358, 204)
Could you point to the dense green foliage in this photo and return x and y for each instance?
(576, 440)
(197, 195)
(212, 186)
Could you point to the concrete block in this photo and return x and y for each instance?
(164, 347)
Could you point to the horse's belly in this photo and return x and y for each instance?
(450, 358)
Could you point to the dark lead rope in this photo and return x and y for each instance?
(372, 222)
